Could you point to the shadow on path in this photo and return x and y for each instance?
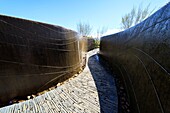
(105, 84)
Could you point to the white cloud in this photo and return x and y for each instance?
(111, 31)
(108, 32)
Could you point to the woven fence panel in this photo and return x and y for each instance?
(35, 56)
(141, 54)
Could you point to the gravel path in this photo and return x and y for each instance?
(91, 91)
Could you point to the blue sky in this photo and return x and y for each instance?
(67, 13)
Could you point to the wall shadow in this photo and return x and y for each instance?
(105, 83)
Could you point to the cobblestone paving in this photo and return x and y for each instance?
(92, 91)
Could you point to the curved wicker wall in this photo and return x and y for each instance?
(90, 44)
(34, 56)
(141, 55)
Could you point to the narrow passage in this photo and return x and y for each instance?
(92, 91)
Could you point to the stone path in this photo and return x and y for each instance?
(92, 91)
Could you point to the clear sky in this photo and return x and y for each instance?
(67, 13)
